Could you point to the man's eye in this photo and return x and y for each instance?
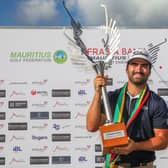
(144, 65)
(134, 64)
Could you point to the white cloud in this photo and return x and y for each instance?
(34, 11)
(126, 12)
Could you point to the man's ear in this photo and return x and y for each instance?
(126, 69)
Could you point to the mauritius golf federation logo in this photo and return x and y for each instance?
(60, 57)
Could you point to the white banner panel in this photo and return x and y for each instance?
(44, 95)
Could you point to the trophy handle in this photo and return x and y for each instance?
(99, 67)
(106, 105)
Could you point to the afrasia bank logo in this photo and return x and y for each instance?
(60, 57)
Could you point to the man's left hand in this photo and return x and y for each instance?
(124, 150)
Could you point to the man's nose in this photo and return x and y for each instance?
(139, 68)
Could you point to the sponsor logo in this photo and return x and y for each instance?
(150, 81)
(39, 115)
(43, 82)
(18, 83)
(164, 157)
(98, 148)
(39, 138)
(61, 137)
(2, 115)
(2, 138)
(15, 93)
(85, 104)
(14, 115)
(41, 93)
(43, 149)
(162, 91)
(121, 82)
(1, 126)
(60, 104)
(99, 54)
(99, 159)
(17, 149)
(83, 83)
(82, 92)
(83, 137)
(61, 92)
(1, 104)
(17, 104)
(61, 115)
(40, 127)
(39, 105)
(1, 149)
(17, 161)
(60, 57)
(17, 138)
(17, 126)
(79, 115)
(145, 108)
(2, 161)
(2, 93)
(1, 81)
(39, 160)
(61, 160)
(83, 127)
(163, 82)
(83, 149)
(82, 159)
(109, 82)
(58, 148)
(58, 127)
(30, 56)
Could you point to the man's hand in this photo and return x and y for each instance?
(124, 150)
(99, 82)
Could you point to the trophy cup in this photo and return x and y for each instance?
(112, 134)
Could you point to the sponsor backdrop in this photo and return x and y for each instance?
(46, 87)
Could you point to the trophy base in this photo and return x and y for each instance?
(113, 135)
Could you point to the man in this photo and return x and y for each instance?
(149, 130)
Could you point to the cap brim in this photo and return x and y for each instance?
(138, 56)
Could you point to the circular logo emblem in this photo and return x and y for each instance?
(60, 57)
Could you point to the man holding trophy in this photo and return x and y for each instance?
(142, 111)
(132, 120)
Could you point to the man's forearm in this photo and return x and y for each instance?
(155, 143)
(94, 114)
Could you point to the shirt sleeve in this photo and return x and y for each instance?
(160, 118)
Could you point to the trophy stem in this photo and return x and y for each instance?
(106, 105)
(99, 67)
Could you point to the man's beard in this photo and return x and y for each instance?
(138, 82)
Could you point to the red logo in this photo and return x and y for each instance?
(33, 92)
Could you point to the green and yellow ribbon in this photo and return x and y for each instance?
(118, 114)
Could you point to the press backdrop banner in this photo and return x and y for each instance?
(44, 96)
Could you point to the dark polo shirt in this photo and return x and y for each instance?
(154, 114)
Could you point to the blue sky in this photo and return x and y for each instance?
(128, 13)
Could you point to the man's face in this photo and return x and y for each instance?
(138, 71)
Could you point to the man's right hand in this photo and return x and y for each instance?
(99, 81)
